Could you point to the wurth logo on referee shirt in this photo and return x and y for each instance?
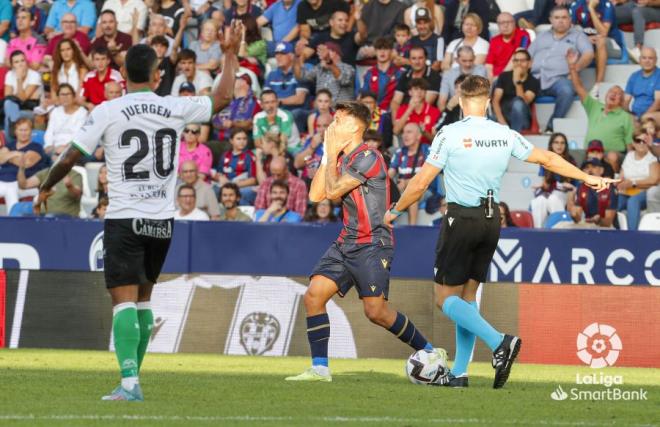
(467, 142)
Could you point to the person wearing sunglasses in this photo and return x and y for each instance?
(640, 171)
(192, 149)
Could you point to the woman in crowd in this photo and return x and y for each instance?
(505, 216)
(10, 158)
(321, 213)
(472, 26)
(64, 121)
(639, 172)
(22, 91)
(207, 48)
(68, 67)
(192, 149)
(252, 53)
(271, 147)
(322, 105)
(552, 194)
(102, 183)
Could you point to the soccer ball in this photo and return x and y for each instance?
(426, 368)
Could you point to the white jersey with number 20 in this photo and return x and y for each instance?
(140, 133)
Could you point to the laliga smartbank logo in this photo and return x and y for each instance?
(598, 346)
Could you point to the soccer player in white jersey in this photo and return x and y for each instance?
(140, 133)
(474, 154)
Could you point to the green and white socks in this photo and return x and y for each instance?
(131, 325)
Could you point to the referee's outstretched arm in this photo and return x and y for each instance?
(414, 191)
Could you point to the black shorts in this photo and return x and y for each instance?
(466, 246)
(135, 250)
(365, 266)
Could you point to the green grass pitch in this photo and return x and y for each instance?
(49, 387)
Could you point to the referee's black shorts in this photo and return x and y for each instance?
(135, 250)
(466, 246)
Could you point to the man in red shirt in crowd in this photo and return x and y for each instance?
(70, 31)
(417, 111)
(503, 45)
(110, 37)
(93, 87)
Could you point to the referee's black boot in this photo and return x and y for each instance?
(456, 382)
(503, 358)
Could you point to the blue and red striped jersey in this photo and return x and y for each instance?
(242, 165)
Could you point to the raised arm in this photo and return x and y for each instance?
(572, 59)
(174, 55)
(60, 169)
(416, 188)
(230, 43)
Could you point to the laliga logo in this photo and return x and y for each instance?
(598, 345)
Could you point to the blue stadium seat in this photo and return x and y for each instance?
(617, 36)
(21, 209)
(557, 217)
(38, 136)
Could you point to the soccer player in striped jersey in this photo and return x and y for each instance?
(362, 255)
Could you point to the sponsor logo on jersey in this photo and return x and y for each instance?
(491, 143)
(467, 142)
(155, 228)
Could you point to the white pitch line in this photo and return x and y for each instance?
(249, 418)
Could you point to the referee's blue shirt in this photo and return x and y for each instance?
(474, 154)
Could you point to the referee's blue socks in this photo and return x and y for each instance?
(406, 331)
(318, 334)
(468, 317)
(464, 346)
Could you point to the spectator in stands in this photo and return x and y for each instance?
(314, 16)
(321, 213)
(402, 45)
(93, 86)
(26, 41)
(278, 210)
(426, 38)
(111, 38)
(230, 197)
(643, 86)
(552, 195)
(472, 26)
(63, 122)
(308, 160)
(6, 14)
(467, 66)
(330, 73)
(37, 20)
(192, 149)
(273, 120)
(639, 172)
(207, 48)
(378, 19)
(157, 27)
(322, 105)
(240, 112)
(589, 208)
(455, 13)
(417, 111)
(540, 14)
(239, 166)
(374, 141)
(407, 161)
(348, 41)
(253, 53)
(167, 64)
(596, 17)
(22, 91)
(515, 93)
(83, 11)
(452, 112)
(296, 189)
(65, 202)
(548, 52)
(637, 12)
(102, 182)
(271, 148)
(417, 69)
(382, 78)
(291, 93)
(186, 199)
(607, 121)
(595, 150)
(69, 67)
(282, 16)
(200, 79)
(11, 157)
(205, 198)
(70, 31)
(381, 120)
(172, 11)
(240, 8)
(503, 45)
(437, 16)
(505, 216)
(128, 12)
(101, 208)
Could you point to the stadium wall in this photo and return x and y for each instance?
(251, 300)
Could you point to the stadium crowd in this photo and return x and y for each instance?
(404, 60)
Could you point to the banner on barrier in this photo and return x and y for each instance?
(522, 256)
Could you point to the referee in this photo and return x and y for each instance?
(474, 154)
